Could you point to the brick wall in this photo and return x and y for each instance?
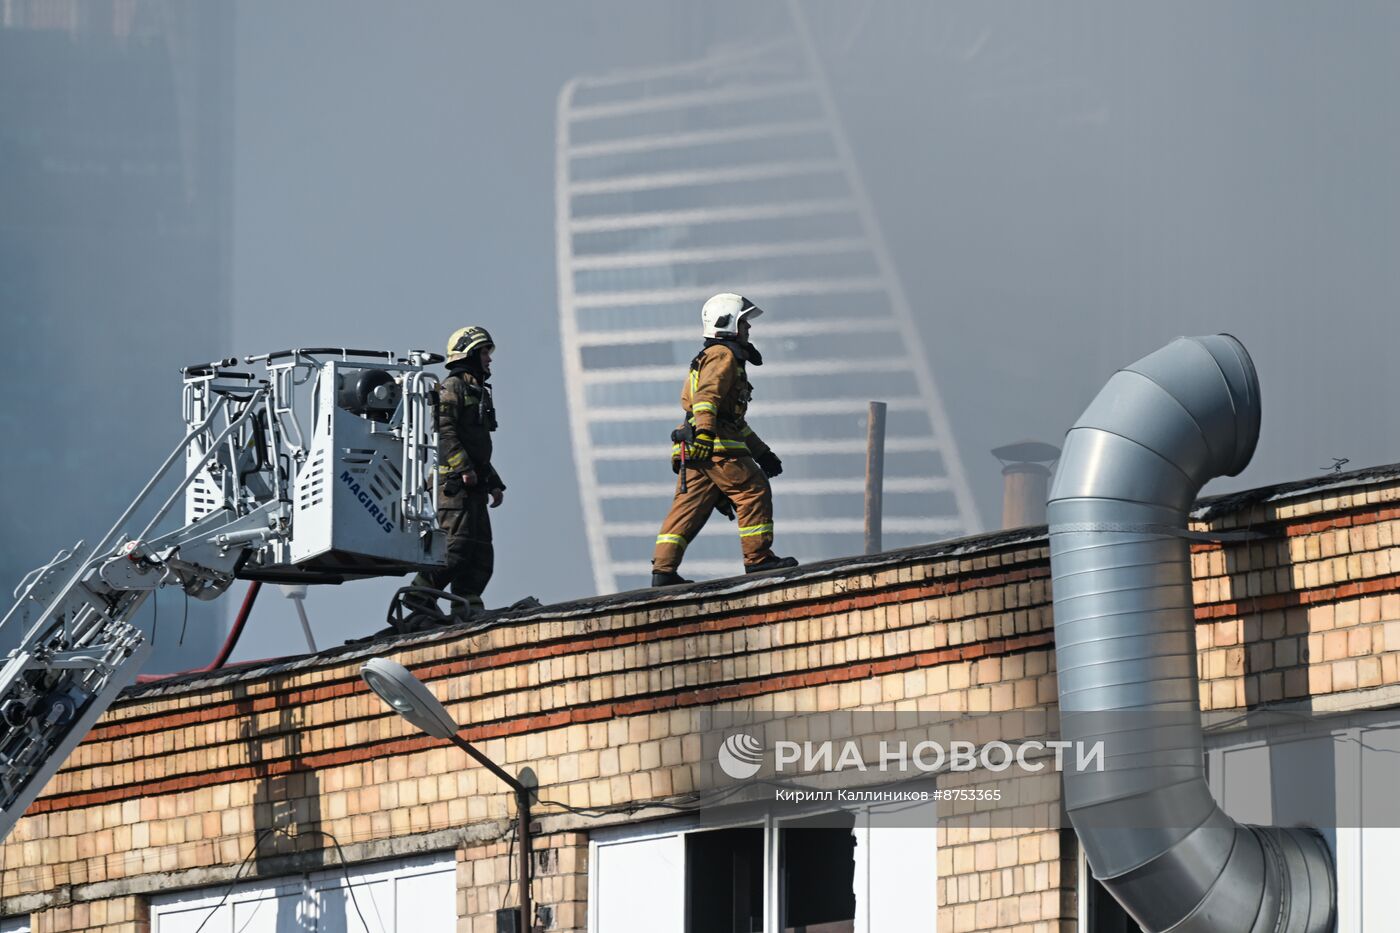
(605, 701)
(112, 915)
(487, 880)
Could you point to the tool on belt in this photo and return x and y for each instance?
(454, 484)
(683, 435)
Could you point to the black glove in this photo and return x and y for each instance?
(769, 463)
(702, 448)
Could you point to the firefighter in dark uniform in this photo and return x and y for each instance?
(466, 481)
(724, 464)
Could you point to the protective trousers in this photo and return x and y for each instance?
(471, 557)
(741, 481)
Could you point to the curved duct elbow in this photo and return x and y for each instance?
(1125, 648)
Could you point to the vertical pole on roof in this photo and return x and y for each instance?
(874, 477)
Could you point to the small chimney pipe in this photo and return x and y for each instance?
(1025, 481)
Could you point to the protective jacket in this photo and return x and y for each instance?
(716, 398)
(466, 416)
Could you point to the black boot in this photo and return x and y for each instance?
(668, 578)
(773, 563)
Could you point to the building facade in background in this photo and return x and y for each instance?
(115, 229)
(730, 172)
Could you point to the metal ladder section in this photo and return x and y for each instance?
(80, 648)
(732, 172)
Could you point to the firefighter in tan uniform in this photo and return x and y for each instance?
(717, 455)
(466, 418)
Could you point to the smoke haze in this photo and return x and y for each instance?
(1063, 188)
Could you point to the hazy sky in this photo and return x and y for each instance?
(1064, 187)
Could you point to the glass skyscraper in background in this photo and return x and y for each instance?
(731, 172)
(116, 119)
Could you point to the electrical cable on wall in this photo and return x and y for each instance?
(280, 830)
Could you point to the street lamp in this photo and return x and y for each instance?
(410, 698)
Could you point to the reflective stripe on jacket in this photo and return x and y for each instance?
(716, 400)
(466, 416)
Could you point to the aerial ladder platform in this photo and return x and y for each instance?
(318, 469)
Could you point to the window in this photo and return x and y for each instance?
(1102, 914)
(637, 886)
(1335, 773)
(14, 925)
(848, 872)
(817, 863)
(724, 881)
(417, 895)
(896, 870)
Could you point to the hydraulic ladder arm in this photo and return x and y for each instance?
(261, 500)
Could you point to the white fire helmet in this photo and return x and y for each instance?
(721, 315)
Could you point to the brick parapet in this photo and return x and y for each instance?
(605, 706)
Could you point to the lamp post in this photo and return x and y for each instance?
(410, 698)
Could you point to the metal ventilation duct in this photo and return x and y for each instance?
(1126, 651)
